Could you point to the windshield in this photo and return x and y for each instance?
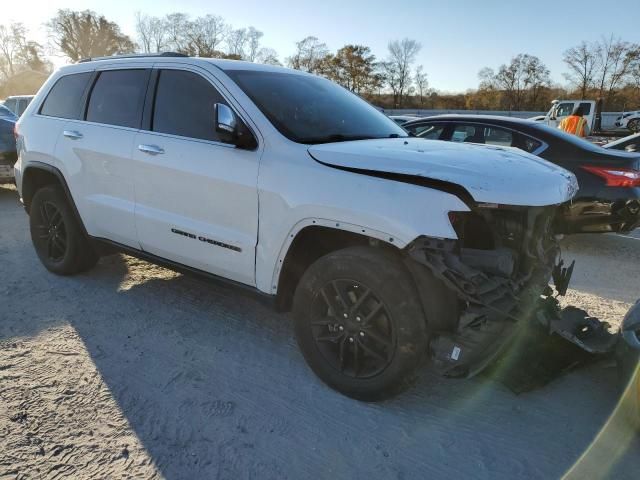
(6, 113)
(308, 109)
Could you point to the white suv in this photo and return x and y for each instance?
(388, 249)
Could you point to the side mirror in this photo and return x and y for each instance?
(231, 128)
(226, 122)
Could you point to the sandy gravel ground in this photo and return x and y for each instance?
(133, 371)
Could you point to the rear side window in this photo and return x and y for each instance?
(117, 98)
(65, 98)
(184, 105)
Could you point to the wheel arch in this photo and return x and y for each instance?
(37, 175)
(312, 239)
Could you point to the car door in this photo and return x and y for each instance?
(96, 151)
(196, 196)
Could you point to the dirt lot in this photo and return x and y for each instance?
(132, 370)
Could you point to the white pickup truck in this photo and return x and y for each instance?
(561, 109)
(388, 249)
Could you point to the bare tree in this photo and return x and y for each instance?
(18, 54)
(616, 61)
(205, 35)
(86, 34)
(582, 62)
(397, 68)
(421, 82)
(253, 44)
(176, 26)
(268, 56)
(237, 42)
(309, 54)
(152, 33)
(12, 39)
(522, 78)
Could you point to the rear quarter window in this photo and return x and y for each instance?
(65, 98)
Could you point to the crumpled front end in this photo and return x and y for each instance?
(498, 269)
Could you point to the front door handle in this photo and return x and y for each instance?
(72, 134)
(151, 149)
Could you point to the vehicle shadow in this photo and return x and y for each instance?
(212, 383)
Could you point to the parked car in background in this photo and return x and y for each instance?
(609, 195)
(630, 120)
(628, 144)
(369, 233)
(402, 119)
(18, 103)
(7, 145)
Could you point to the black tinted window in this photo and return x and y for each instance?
(117, 98)
(65, 98)
(184, 105)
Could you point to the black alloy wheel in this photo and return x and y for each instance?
(352, 329)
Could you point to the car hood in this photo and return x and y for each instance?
(490, 174)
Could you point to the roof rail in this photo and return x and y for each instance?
(135, 55)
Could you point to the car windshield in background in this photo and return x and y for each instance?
(6, 113)
(313, 110)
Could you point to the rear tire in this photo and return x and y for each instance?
(360, 324)
(56, 234)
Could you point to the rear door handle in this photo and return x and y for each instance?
(151, 149)
(72, 134)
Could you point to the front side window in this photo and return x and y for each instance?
(66, 97)
(308, 109)
(184, 105)
(117, 98)
(428, 132)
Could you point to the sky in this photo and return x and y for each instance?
(458, 37)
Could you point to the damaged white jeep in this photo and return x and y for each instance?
(389, 250)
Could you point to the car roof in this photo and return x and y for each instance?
(222, 64)
(483, 118)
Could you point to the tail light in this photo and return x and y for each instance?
(616, 177)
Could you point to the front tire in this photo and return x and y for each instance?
(56, 234)
(359, 322)
(634, 125)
